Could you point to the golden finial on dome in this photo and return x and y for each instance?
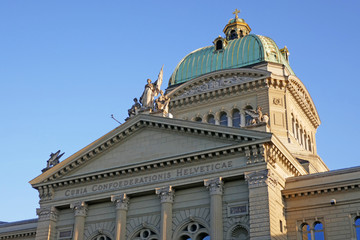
(236, 12)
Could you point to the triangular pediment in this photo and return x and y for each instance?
(144, 139)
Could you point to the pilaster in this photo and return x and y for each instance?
(166, 195)
(122, 203)
(46, 228)
(215, 187)
(265, 205)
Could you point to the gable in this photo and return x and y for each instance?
(145, 138)
(149, 144)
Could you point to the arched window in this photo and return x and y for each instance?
(198, 119)
(194, 231)
(319, 231)
(211, 119)
(305, 232)
(233, 35)
(223, 119)
(241, 33)
(357, 228)
(146, 234)
(219, 45)
(309, 144)
(101, 237)
(236, 118)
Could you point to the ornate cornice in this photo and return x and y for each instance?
(31, 233)
(166, 194)
(325, 189)
(215, 186)
(47, 213)
(80, 208)
(302, 97)
(121, 201)
(261, 178)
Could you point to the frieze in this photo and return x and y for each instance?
(215, 83)
(163, 176)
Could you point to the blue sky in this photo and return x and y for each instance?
(66, 66)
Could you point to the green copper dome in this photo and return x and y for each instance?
(241, 52)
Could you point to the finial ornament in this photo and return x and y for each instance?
(236, 12)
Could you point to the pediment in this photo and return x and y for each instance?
(217, 81)
(144, 139)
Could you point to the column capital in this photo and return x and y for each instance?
(215, 185)
(166, 194)
(121, 201)
(261, 178)
(47, 213)
(80, 208)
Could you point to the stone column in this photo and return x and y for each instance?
(80, 211)
(46, 228)
(122, 202)
(166, 195)
(215, 187)
(230, 123)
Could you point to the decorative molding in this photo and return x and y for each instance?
(299, 92)
(121, 201)
(261, 178)
(277, 101)
(215, 186)
(214, 83)
(80, 208)
(31, 234)
(166, 194)
(255, 154)
(228, 91)
(320, 190)
(46, 193)
(47, 213)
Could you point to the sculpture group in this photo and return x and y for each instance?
(147, 103)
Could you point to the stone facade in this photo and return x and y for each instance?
(238, 160)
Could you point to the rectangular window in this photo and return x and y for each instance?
(65, 234)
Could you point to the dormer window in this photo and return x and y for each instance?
(219, 45)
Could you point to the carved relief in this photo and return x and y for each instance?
(277, 101)
(236, 223)
(47, 213)
(215, 83)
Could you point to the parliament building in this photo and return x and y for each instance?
(227, 151)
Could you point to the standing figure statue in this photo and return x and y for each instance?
(151, 91)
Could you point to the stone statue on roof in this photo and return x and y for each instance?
(151, 91)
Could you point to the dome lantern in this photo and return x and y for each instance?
(236, 27)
